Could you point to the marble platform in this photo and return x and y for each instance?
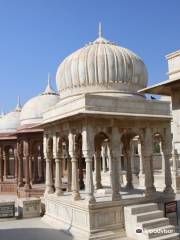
(101, 220)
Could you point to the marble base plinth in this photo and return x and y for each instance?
(29, 207)
(82, 221)
(104, 191)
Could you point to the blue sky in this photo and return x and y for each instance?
(36, 35)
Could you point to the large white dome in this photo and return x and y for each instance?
(32, 111)
(101, 66)
(11, 121)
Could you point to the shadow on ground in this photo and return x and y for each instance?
(34, 234)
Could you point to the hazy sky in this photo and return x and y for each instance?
(36, 35)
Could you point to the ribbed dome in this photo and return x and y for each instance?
(11, 121)
(32, 111)
(101, 66)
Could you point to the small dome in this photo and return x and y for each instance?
(11, 121)
(32, 111)
(101, 66)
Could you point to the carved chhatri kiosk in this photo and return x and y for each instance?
(99, 105)
(22, 165)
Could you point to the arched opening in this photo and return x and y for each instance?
(130, 159)
(157, 151)
(62, 152)
(101, 163)
(81, 161)
(10, 162)
(50, 153)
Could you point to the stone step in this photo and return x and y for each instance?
(159, 222)
(108, 235)
(160, 231)
(143, 208)
(173, 236)
(149, 216)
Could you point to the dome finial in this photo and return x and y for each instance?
(2, 113)
(100, 39)
(18, 106)
(100, 33)
(49, 89)
(49, 79)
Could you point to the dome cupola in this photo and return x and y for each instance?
(32, 111)
(11, 121)
(101, 66)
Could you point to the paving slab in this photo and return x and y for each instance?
(30, 229)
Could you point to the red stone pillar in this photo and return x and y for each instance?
(15, 163)
(35, 168)
(5, 164)
(20, 165)
(69, 172)
(1, 165)
(40, 168)
(26, 157)
(43, 167)
(30, 169)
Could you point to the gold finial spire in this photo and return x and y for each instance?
(100, 30)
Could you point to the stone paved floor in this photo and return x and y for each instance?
(30, 229)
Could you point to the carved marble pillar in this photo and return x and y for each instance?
(128, 146)
(26, 157)
(97, 161)
(69, 176)
(174, 162)
(115, 154)
(120, 163)
(103, 154)
(109, 156)
(107, 159)
(148, 163)
(88, 152)
(141, 164)
(63, 164)
(49, 181)
(58, 171)
(132, 155)
(74, 161)
(48, 153)
(167, 149)
(162, 158)
(141, 169)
